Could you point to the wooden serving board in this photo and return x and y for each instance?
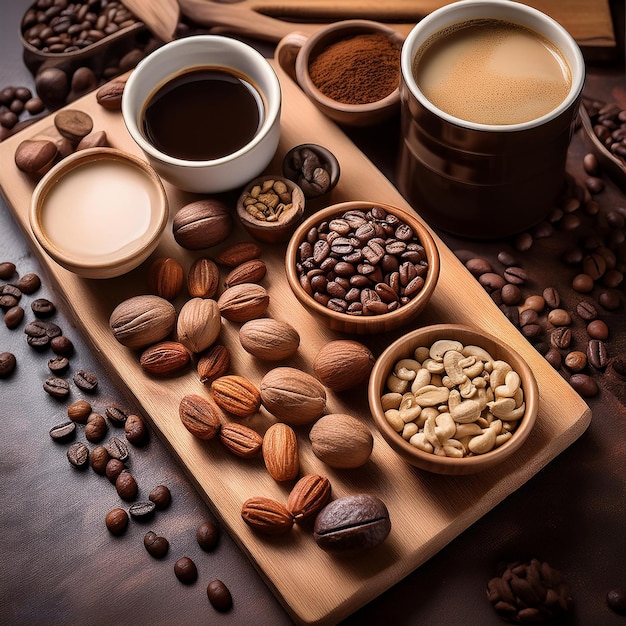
(427, 511)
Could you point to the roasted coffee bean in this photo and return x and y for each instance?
(126, 486)
(8, 362)
(594, 266)
(62, 346)
(478, 266)
(534, 303)
(561, 337)
(583, 283)
(42, 307)
(528, 316)
(491, 281)
(29, 283)
(515, 275)
(553, 356)
(56, 387)
(219, 596)
(86, 381)
(142, 511)
(58, 365)
(597, 354)
(136, 430)
(38, 342)
(597, 329)
(559, 317)
(117, 449)
(95, 428)
(13, 317)
(116, 415)
(207, 536)
(609, 299)
(78, 454)
(612, 278)
(506, 258)
(584, 385)
(185, 570)
(531, 331)
(113, 469)
(116, 521)
(523, 242)
(576, 361)
(352, 524)
(63, 432)
(161, 497)
(42, 328)
(98, 459)
(156, 545)
(511, 294)
(7, 270)
(552, 297)
(586, 310)
(79, 411)
(616, 600)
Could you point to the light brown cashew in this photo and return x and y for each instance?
(441, 346)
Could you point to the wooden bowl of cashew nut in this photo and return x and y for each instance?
(450, 399)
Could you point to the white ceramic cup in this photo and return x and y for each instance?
(484, 180)
(206, 51)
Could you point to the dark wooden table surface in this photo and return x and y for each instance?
(59, 565)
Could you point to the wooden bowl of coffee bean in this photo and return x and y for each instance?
(363, 267)
(270, 208)
(450, 399)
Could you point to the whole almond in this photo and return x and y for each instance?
(199, 324)
(341, 441)
(343, 364)
(166, 358)
(239, 253)
(166, 277)
(308, 496)
(249, 272)
(280, 452)
(213, 363)
(269, 339)
(241, 440)
(236, 395)
(203, 278)
(200, 416)
(243, 302)
(293, 396)
(109, 96)
(35, 156)
(202, 224)
(142, 320)
(266, 515)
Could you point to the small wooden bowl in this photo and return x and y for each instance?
(272, 231)
(404, 347)
(325, 157)
(371, 324)
(74, 197)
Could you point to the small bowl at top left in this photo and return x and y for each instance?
(99, 213)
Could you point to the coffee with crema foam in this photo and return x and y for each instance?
(491, 71)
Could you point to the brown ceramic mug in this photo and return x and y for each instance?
(479, 179)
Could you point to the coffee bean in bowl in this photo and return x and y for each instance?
(363, 267)
(453, 400)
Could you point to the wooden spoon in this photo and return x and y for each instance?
(160, 16)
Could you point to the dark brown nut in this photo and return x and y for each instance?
(8, 363)
(7, 270)
(597, 329)
(352, 524)
(35, 156)
(186, 571)
(95, 428)
(117, 449)
(113, 469)
(98, 459)
(308, 497)
(86, 381)
(78, 454)
(29, 283)
(207, 535)
(53, 86)
(584, 385)
(201, 417)
(142, 510)
(116, 521)
(248, 272)
(314, 168)
(219, 596)
(73, 124)
(241, 440)
(203, 278)
(239, 253)
(82, 82)
(478, 266)
(597, 354)
(135, 430)
(13, 317)
(341, 441)
(343, 364)
(531, 592)
(243, 302)
(266, 516)
(142, 320)
(202, 224)
(576, 361)
(164, 359)
(166, 277)
(116, 415)
(98, 139)
(109, 96)
(280, 452)
(126, 486)
(236, 395)
(554, 357)
(62, 346)
(156, 545)
(213, 363)
(161, 496)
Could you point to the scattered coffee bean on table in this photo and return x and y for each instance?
(8, 362)
(156, 545)
(186, 571)
(142, 511)
(57, 387)
(116, 521)
(219, 596)
(42, 307)
(86, 381)
(78, 454)
(126, 486)
(207, 536)
(161, 497)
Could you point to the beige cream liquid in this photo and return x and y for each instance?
(99, 209)
(492, 72)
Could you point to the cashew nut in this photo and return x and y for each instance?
(441, 346)
(432, 396)
(393, 417)
(409, 409)
(510, 387)
(396, 384)
(422, 378)
(478, 352)
(390, 400)
(419, 441)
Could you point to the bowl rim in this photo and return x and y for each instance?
(426, 460)
(73, 162)
(401, 313)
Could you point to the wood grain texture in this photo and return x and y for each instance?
(427, 511)
(588, 21)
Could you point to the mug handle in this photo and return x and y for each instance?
(287, 50)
